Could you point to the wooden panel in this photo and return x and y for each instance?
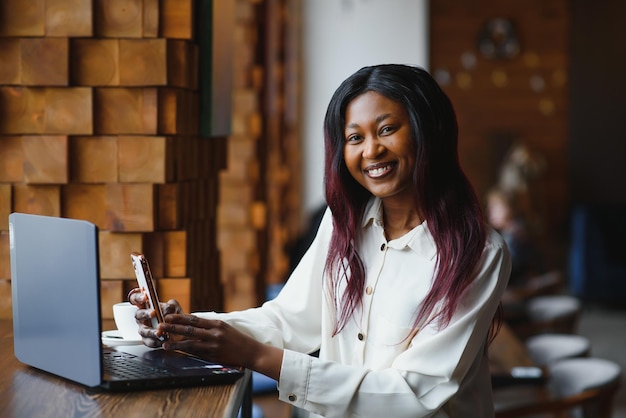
(67, 18)
(68, 111)
(181, 64)
(11, 159)
(118, 18)
(129, 207)
(93, 159)
(168, 207)
(125, 111)
(177, 112)
(150, 18)
(143, 62)
(11, 62)
(115, 249)
(95, 62)
(45, 61)
(111, 292)
(85, 201)
(5, 299)
(38, 200)
(178, 289)
(177, 19)
(45, 159)
(143, 159)
(5, 261)
(166, 251)
(5, 207)
(22, 18)
(52, 110)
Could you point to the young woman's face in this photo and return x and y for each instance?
(378, 149)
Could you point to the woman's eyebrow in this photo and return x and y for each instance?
(378, 119)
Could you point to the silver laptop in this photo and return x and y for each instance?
(56, 314)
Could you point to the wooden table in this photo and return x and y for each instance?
(26, 392)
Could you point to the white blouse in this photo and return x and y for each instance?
(376, 366)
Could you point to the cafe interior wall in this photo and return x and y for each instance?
(99, 121)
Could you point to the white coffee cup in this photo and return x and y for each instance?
(124, 316)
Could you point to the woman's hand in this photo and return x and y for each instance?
(219, 342)
(151, 336)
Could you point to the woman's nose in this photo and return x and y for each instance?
(372, 148)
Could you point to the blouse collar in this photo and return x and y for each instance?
(418, 239)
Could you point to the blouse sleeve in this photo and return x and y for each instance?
(421, 379)
(293, 319)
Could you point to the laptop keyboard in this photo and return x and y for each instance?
(124, 366)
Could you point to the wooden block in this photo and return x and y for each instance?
(22, 18)
(85, 201)
(68, 111)
(45, 159)
(177, 19)
(11, 159)
(95, 62)
(125, 111)
(6, 308)
(168, 211)
(93, 159)
(45, 61)
(143, 62)
(36, 199)
(233, 215)
(11, 62)
(5, 206)
(178, 289)
(130, 207)
(115, 249)
(150, 18)
(180, 64)
(111, 292)
(167, 253)
(243, 238)
(118, 18)
(23, 110)
(5, 260)
(69, 18)
(177, 112)
(144, 159)
(193, 66)
(175, 253)
(51, 110)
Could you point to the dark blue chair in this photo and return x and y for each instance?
(597, 254)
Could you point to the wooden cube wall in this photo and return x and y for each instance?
(116, 107)
(260, 190)
(99, 114)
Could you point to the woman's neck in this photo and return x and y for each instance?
(399, 219)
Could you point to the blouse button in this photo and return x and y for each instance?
(360, 336)
(382, 247)
(292, 397)
(369, 290)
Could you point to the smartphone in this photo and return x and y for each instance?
(146, 284)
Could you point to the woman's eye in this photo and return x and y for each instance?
(386, 130)
(352, 138)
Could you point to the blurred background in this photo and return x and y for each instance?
(192, 130)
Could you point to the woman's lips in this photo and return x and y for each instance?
(378, 170)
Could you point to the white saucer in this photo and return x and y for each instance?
(114, 337)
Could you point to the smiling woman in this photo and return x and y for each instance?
(399, 289)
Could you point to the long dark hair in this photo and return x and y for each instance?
(444, 196)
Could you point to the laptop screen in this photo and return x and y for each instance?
(56, 295)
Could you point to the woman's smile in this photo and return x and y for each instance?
(379, 170)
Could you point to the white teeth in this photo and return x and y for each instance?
(378, 171)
